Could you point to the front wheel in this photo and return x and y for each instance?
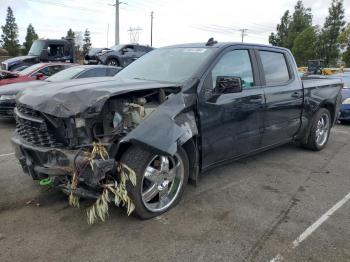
(160, 180)
(113, 62)
(319, 131)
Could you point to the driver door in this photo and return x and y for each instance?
(231, 123)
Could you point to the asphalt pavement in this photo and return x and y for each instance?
(286, 204)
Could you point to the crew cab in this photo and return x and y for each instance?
(170, 115)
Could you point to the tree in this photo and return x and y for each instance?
(301, 20)
(70, 34)
(280, 38)
(331, 31)
(305, 46)
(344, 40)
(30, 37)
(291, 26)
(10, 34)
(87, 42)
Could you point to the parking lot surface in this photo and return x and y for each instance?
(250, 210)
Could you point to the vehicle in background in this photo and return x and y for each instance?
(122, 55)
(35, 72)
(46, 50)
(175, 112)
(315, 67)
(90, 58)
(8, 93)
(344, 115)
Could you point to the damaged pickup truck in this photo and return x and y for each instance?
(172, 114)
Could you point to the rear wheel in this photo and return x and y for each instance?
(319, 131)
(160, 180)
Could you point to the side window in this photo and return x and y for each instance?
(95, 72)
(50, 70)
(275, 67)
(235, 63)
(55, 51)
(112, 71)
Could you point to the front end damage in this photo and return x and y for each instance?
(79, 154)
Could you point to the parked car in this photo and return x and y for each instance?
(344, 115)
(90, 58)
(43, 50)
(121, 55)
(8, 93)
(173, 113)
(35, 72)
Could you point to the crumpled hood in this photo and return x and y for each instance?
(80, 96)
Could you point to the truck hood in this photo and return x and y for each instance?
(81, 96)
(14, 60)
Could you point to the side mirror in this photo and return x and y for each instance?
(228, 85)
(39, 76)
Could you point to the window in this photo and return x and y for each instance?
(235, 63)
(95, 72)
(275, 68)
(112, 71)
(55, 51)
(50, 70)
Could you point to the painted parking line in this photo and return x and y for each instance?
(312, 228)
(9, 154)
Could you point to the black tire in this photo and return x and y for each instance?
(312, 135)
(112, 62)
(138, 159)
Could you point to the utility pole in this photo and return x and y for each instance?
(117, 22)
(152, 28)
(107, 35)
(243, 34)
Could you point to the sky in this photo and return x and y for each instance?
(175, 21)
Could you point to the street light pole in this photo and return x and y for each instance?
(117, 22)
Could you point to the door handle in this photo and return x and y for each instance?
(296, 95)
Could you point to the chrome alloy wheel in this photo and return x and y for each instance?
(162, 181)
(322, 130)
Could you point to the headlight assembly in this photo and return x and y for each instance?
(7, 97)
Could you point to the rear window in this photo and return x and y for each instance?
(275, 68)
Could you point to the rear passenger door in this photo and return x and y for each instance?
(283, 95)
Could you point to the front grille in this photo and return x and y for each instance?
(33, 128)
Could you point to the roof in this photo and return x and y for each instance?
(221, 45)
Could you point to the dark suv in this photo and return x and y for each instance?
(122, 55)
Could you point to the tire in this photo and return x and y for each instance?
(314, 140)
(112, 62)
(148, 203)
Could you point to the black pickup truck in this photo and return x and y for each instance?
(43, 50)
(172, 114)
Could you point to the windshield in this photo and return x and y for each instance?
(36, 48)
(116, 47)
(30, 69)
(66, 74)
(175, 65)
